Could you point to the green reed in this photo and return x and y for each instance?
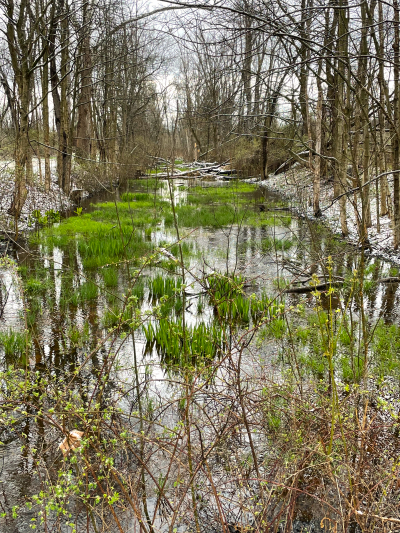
(204, 341)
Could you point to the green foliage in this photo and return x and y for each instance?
(386, 350)
(211, 216)
(14, 344)
(35, 286)
(137, 197)
(138, 289)
(114, 316)
(110, 276)
(87, 291)
(164, 286)
(274, 244)
(50, 217)
(78, 336)
(179, 348)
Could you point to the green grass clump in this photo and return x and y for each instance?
(105, 249)
(137, 197)
(187, 249)
(78, 336)
(264, 219)
(138, 289)
(84, 224)
(236, 310)
(369, 286)
(14, 344)
(130, 215)
(88, 291)
(164, 286)
(34, 310)
(110, 277)
(202, 341)
(208, 216)
(277, 328)
(265, 306)
(60, 241)
(35, 286)
(385, 347)
(314, 364)
(228, 299)
(352, 370)
(273, 243)
(114, 316)
(231, 192)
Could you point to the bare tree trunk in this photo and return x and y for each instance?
(22, 154)
(246, 68)
(342, 105)
(46, 127)
(304, 54)
(385, 203)
(318, 147)
(60, 103)
(84, 129)
(396, 136)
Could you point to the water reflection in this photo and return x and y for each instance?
(60, 342)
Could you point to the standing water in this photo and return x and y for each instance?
(181, 375)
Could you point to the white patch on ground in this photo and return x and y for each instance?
(296, 186)
(37, 198)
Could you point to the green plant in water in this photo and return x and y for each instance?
(385, 347)
(15, 345)
(138, 289)
(274, 244)
(110, 277)
(369, 286)
(88, 291)
(114, 316)
(228, 299)
(78, 336)
(203, 341)
(35, 286)
(164, 286)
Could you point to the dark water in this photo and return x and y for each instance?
(62, 335)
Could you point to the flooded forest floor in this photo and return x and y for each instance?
(157, 335)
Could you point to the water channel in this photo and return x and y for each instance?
(69, 308)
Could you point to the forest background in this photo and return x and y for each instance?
(106, 87)
(273, 401)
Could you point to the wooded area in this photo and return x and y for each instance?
(114, 84)
(201, 333)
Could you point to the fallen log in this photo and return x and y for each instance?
(296, 158)
(312, 288)
(226, 172)
(175, 175)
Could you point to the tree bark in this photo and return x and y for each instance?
(84, 125)
(396, 132)
(318, 147)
